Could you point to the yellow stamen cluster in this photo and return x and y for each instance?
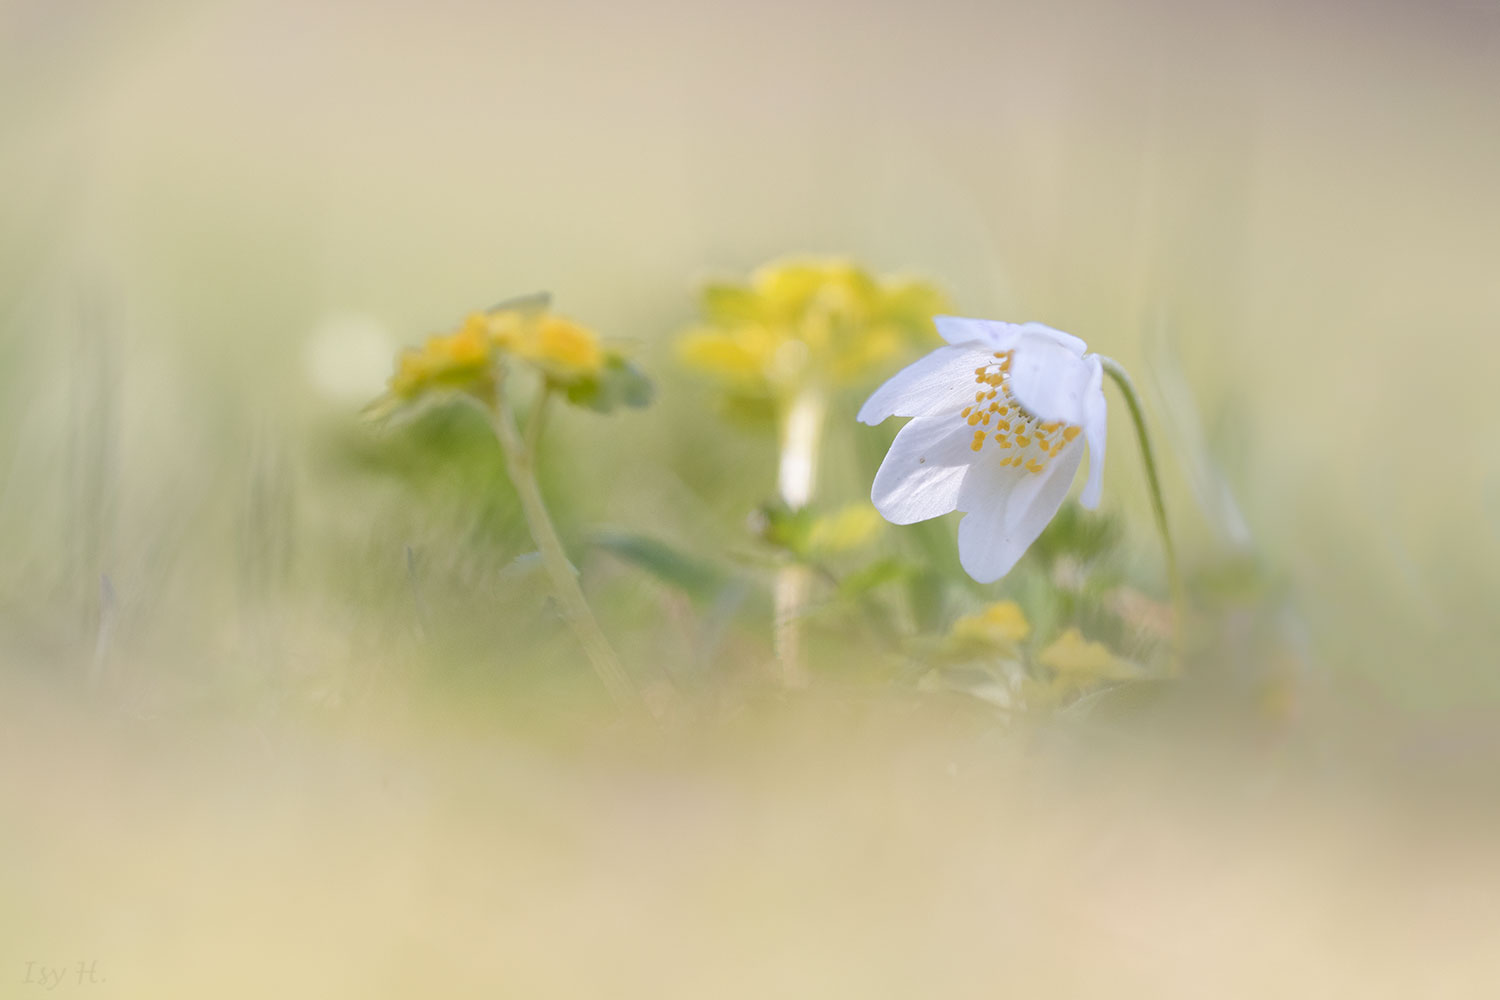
(1027, 442)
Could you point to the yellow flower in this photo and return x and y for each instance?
(564, 347)
(507, 329)
(743, 356)
(452, 360)
(567, 354)
(1002, 623)
(807, 319)
(1074, 658)
(560, 346)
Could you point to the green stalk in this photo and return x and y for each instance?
(520, 465)
(796, 480)
(1158, 504)
(537, 419)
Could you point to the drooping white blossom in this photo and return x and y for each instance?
(1000, 418)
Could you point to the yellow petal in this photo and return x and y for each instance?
(566, 345)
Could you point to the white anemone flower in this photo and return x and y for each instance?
(1000, 418)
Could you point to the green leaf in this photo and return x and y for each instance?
(1080, 534)
(619, 383)
(530, 304)
(867, 578)
(698, 578)
(779, 526)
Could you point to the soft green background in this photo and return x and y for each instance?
(1298, 206)
(1283, 219)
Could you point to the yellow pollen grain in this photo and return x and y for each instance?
(1034, 466)
(1004, 425)
(1004, 441)
(1023, 440)
(1070, 433)
(1005, 411)
(974, 419)
(979, 397)
(967, 411)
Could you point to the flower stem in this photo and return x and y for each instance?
(1158, 504)
(537, 420)
(796, 479)
(520, 466)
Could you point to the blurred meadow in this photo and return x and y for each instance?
(287, 704)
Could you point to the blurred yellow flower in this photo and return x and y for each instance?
(568, 355)
(452, 360)
(1002, 623)
(794, 321)
(564, 349)
(1081, 662)
(781, 342)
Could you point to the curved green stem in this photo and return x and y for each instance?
(1158, 504)
(520, 466)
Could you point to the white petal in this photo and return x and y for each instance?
(942, 377)
(1007, 510)
(1049, 380)
(1095, 424)
(1067, 340)
(995, 335)
(922, 473)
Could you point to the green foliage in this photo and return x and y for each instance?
(1085, 536)
(619, 383)
(699, 579)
